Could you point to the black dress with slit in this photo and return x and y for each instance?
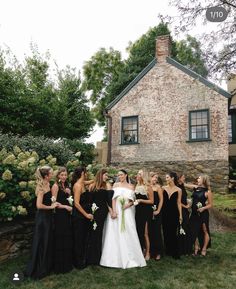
(198, 219)
(81, 231)
(170, 223)
(154, 231)
(143, 213)
(102, 199)
(185, 243)
(63, 241)
(41, 261)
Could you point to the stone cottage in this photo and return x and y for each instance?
(170, 118)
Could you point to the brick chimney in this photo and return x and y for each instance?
(163, 47)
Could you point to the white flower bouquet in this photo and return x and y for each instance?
(53, 200)
(94, 209)
(181, 230)
(70, 200)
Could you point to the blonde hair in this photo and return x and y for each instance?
(206, 181)
(40, 174)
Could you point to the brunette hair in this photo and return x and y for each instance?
(174, 175)
(125, 172)
(99, 183)
(77, 174)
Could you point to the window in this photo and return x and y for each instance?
(199, 125)
(129, 130)
(230, 136)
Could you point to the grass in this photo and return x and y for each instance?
(216, 271)
(226, 203)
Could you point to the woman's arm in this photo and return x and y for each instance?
(179, 205)
(114, 213)
(77, 193)
(40, 205)
(190, 186)
(160, 195)
(209, 196)
(150, 197)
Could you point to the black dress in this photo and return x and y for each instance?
(102, 198)
(185, 244)
(170, 223)
(154, 231)
(63, 236)
(80, 231)
(41, 261)
(198, 219)
(143, 213)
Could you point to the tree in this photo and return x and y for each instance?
(77, 118)
(219, 60)
(107, 78)
(31, 103)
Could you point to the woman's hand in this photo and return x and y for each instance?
(68, 191)
(55, 205)
(89, 216)
(155, 213)
(114, 215)
(200, 210)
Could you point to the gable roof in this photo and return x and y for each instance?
(177, 65)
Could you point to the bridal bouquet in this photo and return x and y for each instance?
(94, 209)
(122, 203)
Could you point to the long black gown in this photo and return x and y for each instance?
(80, 231)
(143, 214)
(198, 219)
(185, 244)
(63, 241)
(170, 223)
(102, 198)
(154, 231)
(41, 262)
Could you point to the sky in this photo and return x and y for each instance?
(73, 30)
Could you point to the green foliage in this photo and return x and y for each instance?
(17, 180)
(189, 54)
(30, 103)
(63, 150)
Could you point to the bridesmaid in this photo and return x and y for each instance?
(143, 214)
(171, 215)
(41, 261)
(154, 223)
(81, 216)
(185, 245)
(62, 223)
(202, 201)
(101, 197)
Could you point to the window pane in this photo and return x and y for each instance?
(130, 130)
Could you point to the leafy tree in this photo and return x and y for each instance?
(219, 47)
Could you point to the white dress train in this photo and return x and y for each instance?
(121, 248)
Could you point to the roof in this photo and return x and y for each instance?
(177, 65)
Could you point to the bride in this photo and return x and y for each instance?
(121, 247)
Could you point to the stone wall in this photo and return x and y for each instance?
(15, 238)
(218, 171)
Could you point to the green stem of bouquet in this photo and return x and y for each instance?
(122, 227)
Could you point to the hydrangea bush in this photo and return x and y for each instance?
(17, 180)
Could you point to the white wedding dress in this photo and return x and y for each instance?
(121, 248)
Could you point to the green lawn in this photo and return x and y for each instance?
(226, 204)
(216, 271)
